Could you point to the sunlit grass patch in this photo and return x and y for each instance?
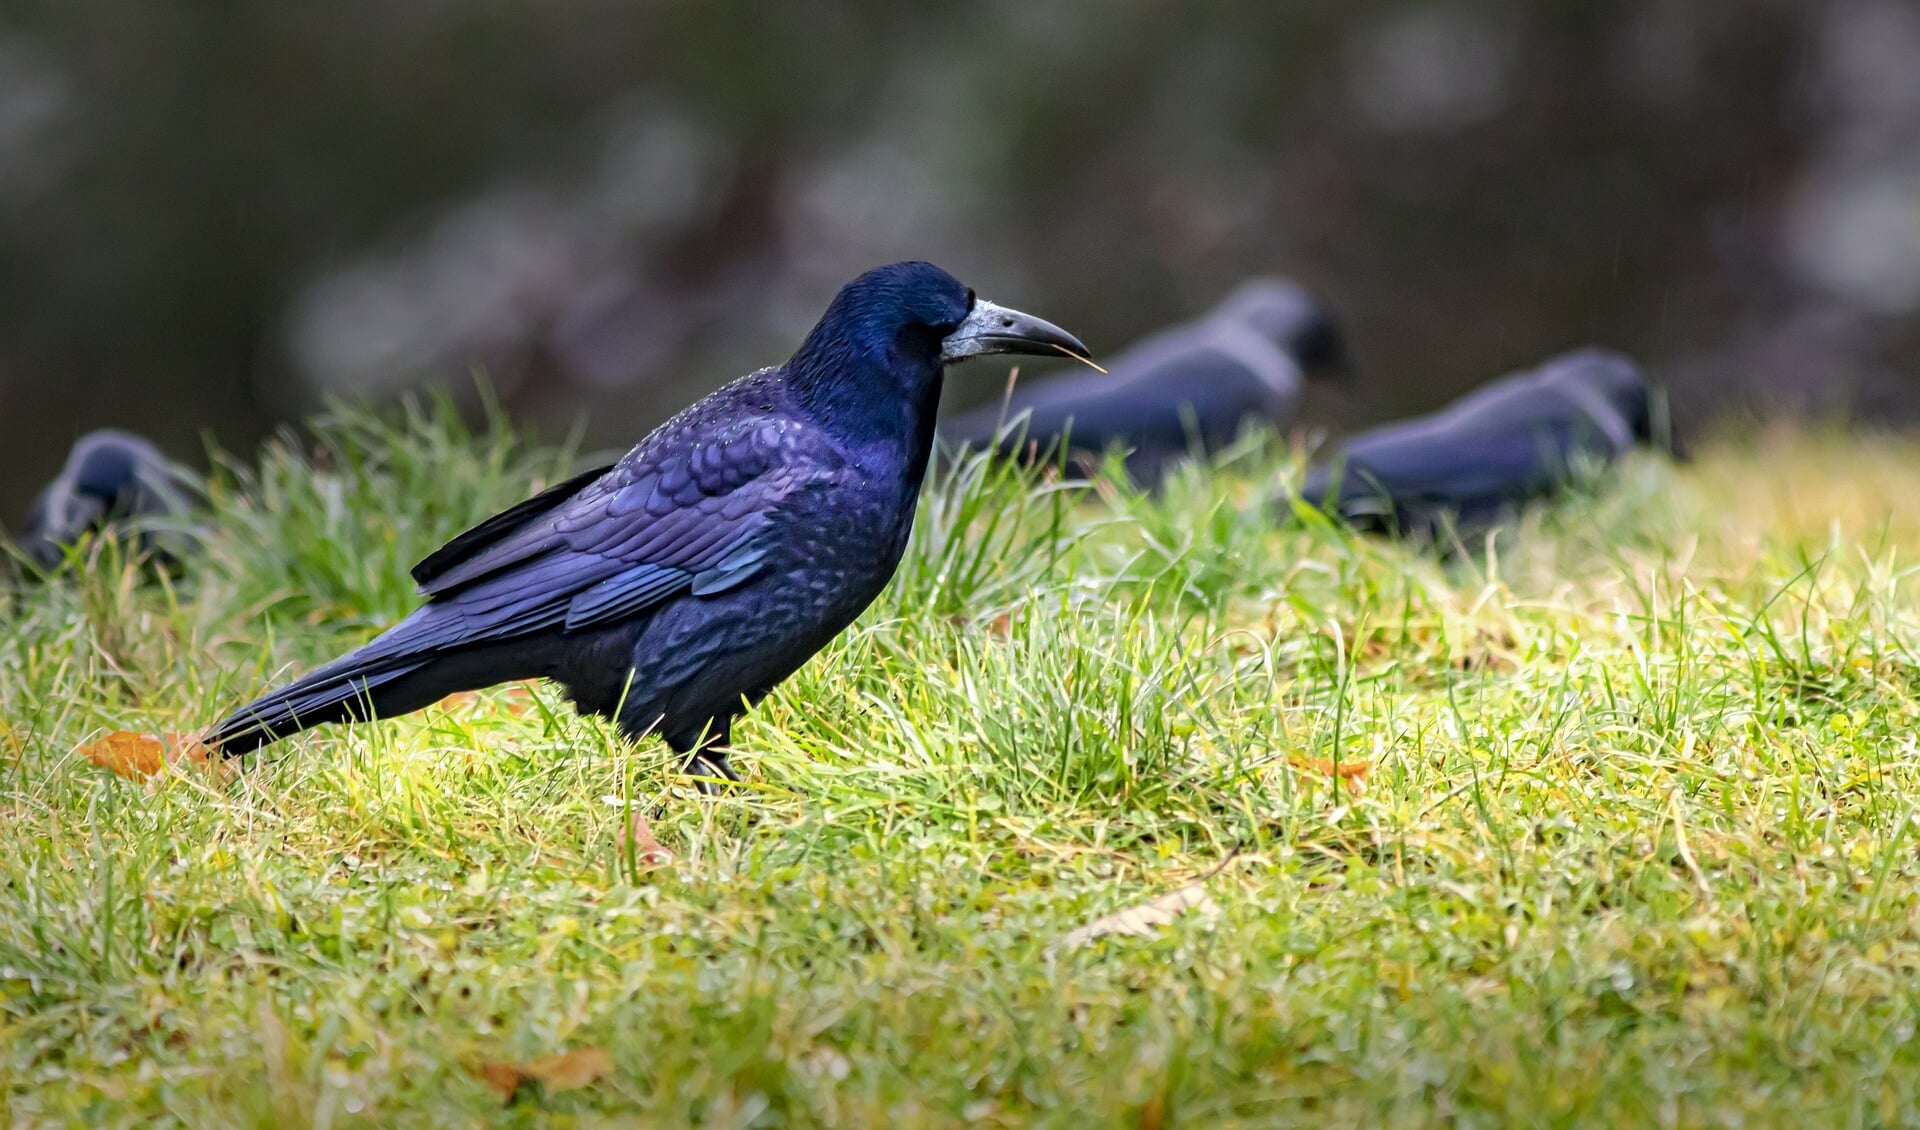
(1608, 821)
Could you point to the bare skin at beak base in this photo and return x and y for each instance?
(992, 328)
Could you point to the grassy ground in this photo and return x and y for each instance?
(1634, 838)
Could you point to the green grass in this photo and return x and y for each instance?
(1637, 843)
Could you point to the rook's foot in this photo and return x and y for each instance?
(714, 762)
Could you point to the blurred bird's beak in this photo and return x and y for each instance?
(996, 329)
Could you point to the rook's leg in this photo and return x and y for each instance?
(711, 756)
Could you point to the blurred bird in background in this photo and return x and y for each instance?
(1473, 463)
(112, 479)
(1186, 389)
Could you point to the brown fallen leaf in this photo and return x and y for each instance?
(517, 700)
(139, 756)
(566, 1071)
(502, 1077)
(1146, 917)
(1153, 1112)
(1348, 770)
(1142, 919)
(641, 847)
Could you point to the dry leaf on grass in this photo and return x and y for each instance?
(139, 756)
(502, 1077)
(639, 844)
(1144, 918)
(566, 1071)
(1153, 1112)
(1354, 771)
(517, 700)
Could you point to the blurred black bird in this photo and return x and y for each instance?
(1199, 381)
(1474, 462)
(675, 588)
(111, 478)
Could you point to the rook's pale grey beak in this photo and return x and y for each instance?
(996, 329)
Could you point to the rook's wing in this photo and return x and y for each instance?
(498, 527)
(680, 514)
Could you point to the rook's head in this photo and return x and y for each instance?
(916, 318)
(1610, 377)
(1285, 313)
(110, 475)
(111, 465)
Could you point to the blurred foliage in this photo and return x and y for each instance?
(214, 214)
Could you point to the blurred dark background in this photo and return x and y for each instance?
(212, 215)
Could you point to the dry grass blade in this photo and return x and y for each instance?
(1087, 361)
(1144, 918)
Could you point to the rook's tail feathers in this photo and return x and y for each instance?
(397, 673)
(343, 691)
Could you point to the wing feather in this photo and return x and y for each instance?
(680, 514)
(440, 561)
